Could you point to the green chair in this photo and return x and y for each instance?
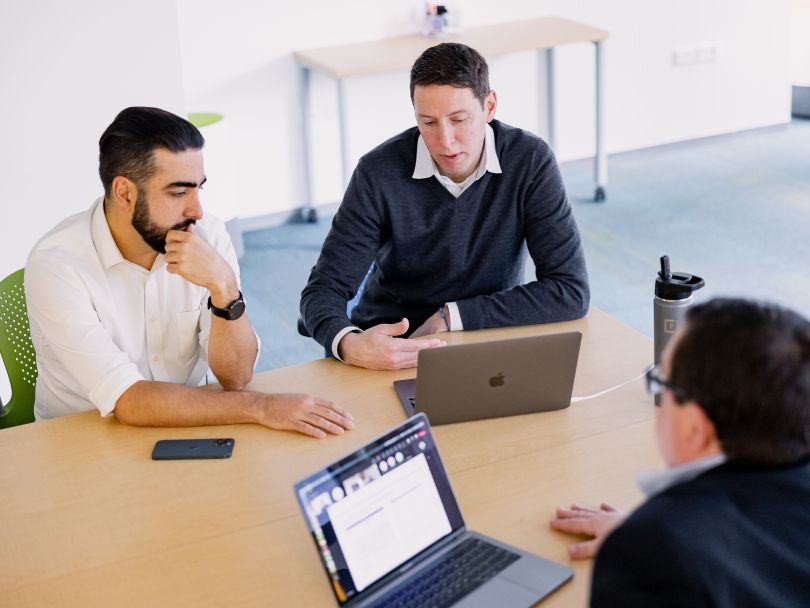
(17, 352)
(203, 119)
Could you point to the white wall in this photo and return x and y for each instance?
(238, 60)
(800, 43)
(66, 70)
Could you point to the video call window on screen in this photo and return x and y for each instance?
(374, 510)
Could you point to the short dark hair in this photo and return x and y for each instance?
(747, 364)
(127, 146)
(455, 64)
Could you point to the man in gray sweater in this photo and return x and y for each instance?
(446, 212)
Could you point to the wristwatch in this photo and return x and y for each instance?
(232, 312)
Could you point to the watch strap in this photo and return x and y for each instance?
(232, 312)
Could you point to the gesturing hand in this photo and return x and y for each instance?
(596, 523)
(380, 348)
(304, 413)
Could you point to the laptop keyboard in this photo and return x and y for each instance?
(460, 571)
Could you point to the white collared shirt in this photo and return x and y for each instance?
(100, 323)
(424, 168)
(655, 482)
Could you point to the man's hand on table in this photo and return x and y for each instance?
(595, 523)
(306, 414)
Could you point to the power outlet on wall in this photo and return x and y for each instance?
(692, 55)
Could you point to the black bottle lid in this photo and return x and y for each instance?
(675, 285)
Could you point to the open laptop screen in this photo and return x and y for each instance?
(372, 511)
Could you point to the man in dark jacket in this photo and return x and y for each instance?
(728, 524)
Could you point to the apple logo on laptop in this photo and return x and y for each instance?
(497, 380)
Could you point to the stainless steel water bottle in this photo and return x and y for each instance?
(673, 297)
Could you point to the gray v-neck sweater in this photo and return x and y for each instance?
(430, 248)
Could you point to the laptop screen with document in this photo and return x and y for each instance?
(372, 511)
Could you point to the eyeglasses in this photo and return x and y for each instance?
(656, 384)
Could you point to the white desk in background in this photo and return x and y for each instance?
(542, 34)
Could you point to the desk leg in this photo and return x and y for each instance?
(550, 110)
(344, 140)
(308, 209)
(600, 163)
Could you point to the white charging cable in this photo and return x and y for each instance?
(613, 388)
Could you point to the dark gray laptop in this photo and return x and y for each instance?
(493, 379)
(390, 533)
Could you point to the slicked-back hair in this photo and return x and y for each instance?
(127, 146)
(747, 364)
(455, 64)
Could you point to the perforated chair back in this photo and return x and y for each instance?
(17, 352)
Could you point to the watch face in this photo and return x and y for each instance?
(236, 310)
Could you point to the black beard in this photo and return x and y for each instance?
(151, 233)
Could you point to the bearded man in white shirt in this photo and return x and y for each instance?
(132, 300)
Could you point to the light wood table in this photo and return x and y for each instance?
(542, 34)
(89, 520)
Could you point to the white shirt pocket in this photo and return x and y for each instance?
(184, 335)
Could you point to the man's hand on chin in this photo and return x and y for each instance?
(190, 257)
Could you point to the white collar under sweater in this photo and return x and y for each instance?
(426, 166)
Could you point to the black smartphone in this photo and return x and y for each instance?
(192, 449)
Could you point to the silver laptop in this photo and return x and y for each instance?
(390, 533)
(493, 379)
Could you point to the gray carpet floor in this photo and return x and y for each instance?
(734, 209)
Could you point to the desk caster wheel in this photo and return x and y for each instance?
(599, 196)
